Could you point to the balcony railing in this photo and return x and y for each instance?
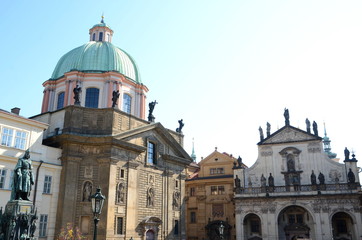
(339, 187)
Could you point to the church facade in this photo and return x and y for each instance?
(296, 191)
(95, 106)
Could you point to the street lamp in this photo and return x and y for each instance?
(221, 230)
(97, 204)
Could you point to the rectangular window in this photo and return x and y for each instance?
(47, 184)
(7, 136)
(220, 190)
(213, 190)
(214, 171)
(2, 178)
(192, 192)
(193, 217)
(127, 103)
(43, 224)
(60, 103)
(175, 230)
(119, 227)
(20, 139)
(122, 173)
(151, 153)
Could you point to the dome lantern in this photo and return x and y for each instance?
(101, 32)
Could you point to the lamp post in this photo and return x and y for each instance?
(97, 204)
(221, 230)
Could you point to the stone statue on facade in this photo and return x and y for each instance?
(115, 96)
(267, 129)
(120, 193)
(315, 128)
(321, 178)
(286, 116)
(151, 106)
(23, 178)
(261, 134)
(313, 178)
(240, 162)
(87, 191)
(237, 182)
(290, 164)
(346, 154)
(176, 200)
(271, 180)
(181, 125)
(351, 177)
(150, 197)
(77, 90)
(307, 122)
(262, 180)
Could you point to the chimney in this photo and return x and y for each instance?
(15, 110)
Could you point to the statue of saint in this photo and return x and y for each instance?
(240, 162)
(267, 129)
(263, 180)
(115, 96)
(77, 90)
(271, 180)
(150, 197)
(351, 177)
(307, 122)
(261, 134)
(313, 178)
(346, 154)
(237, 182)
(286, 116)
(23, 178)
(315, 128)
(152, 105)
(87, 191)
(321, 178)
(290, 164)
(181, 125)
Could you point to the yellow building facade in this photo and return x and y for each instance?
(209, 201)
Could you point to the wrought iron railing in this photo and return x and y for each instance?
(339, 187)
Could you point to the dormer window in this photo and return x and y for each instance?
(101, 36)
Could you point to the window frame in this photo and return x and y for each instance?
(127, 103)
(43, 225)
(92, 97)
(3, 178)
(193, 217)
(119, 225)
(47, 184)
(151, 155)
(9, 137)
(60, 96)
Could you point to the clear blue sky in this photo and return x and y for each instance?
(224, 67)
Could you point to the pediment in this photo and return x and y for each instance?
(155, 132)
(289, 134)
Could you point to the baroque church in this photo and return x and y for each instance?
(95, 106)
(297, 190)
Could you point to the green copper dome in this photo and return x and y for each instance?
(97, 57)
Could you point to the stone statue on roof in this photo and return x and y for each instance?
(286, 116)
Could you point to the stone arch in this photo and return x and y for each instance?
(295, 222)
(343, 226)
(252, 226)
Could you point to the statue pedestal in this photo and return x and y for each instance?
(19, 220)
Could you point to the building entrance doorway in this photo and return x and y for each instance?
(150, 235)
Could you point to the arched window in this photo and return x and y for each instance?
(101, 36)
(127, 103)
(60, 102)
(94, 37)
(91, 97)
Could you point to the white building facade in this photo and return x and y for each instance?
(16, 135)
(295, 191)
